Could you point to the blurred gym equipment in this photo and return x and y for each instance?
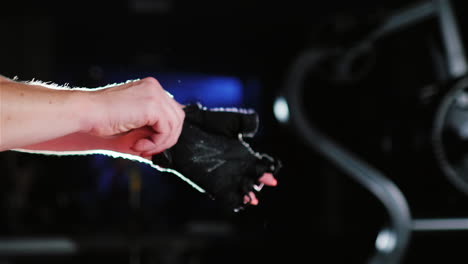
(350, 65)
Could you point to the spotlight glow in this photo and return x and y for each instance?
(386, 241)
(281, 109)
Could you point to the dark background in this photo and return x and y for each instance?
(316, 211)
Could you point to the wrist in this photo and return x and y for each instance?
(85, 107)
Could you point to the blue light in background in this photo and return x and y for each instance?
(211, 91)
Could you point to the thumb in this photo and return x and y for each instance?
(144, 145)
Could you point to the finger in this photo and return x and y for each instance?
(178, 108)
(178, 130)
(161, 136)
(253, 198)
(172, 127)
(178, 123)
(268, 179)
(159, 143)
(135, 140)
(144, 145)
(164, 140)
(246, 199)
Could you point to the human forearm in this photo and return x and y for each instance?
(137, 117)
(72, 142)
(85, 142)
(30, 114)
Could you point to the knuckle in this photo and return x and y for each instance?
(147, 118)
(151, 81)
(152, 88)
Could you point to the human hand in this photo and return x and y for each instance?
(137, 117)
(267, 179)
(212, 156)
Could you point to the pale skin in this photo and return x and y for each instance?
(137, 118)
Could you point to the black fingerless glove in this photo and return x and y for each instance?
(212, 156)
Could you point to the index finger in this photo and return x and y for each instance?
(268, 179)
